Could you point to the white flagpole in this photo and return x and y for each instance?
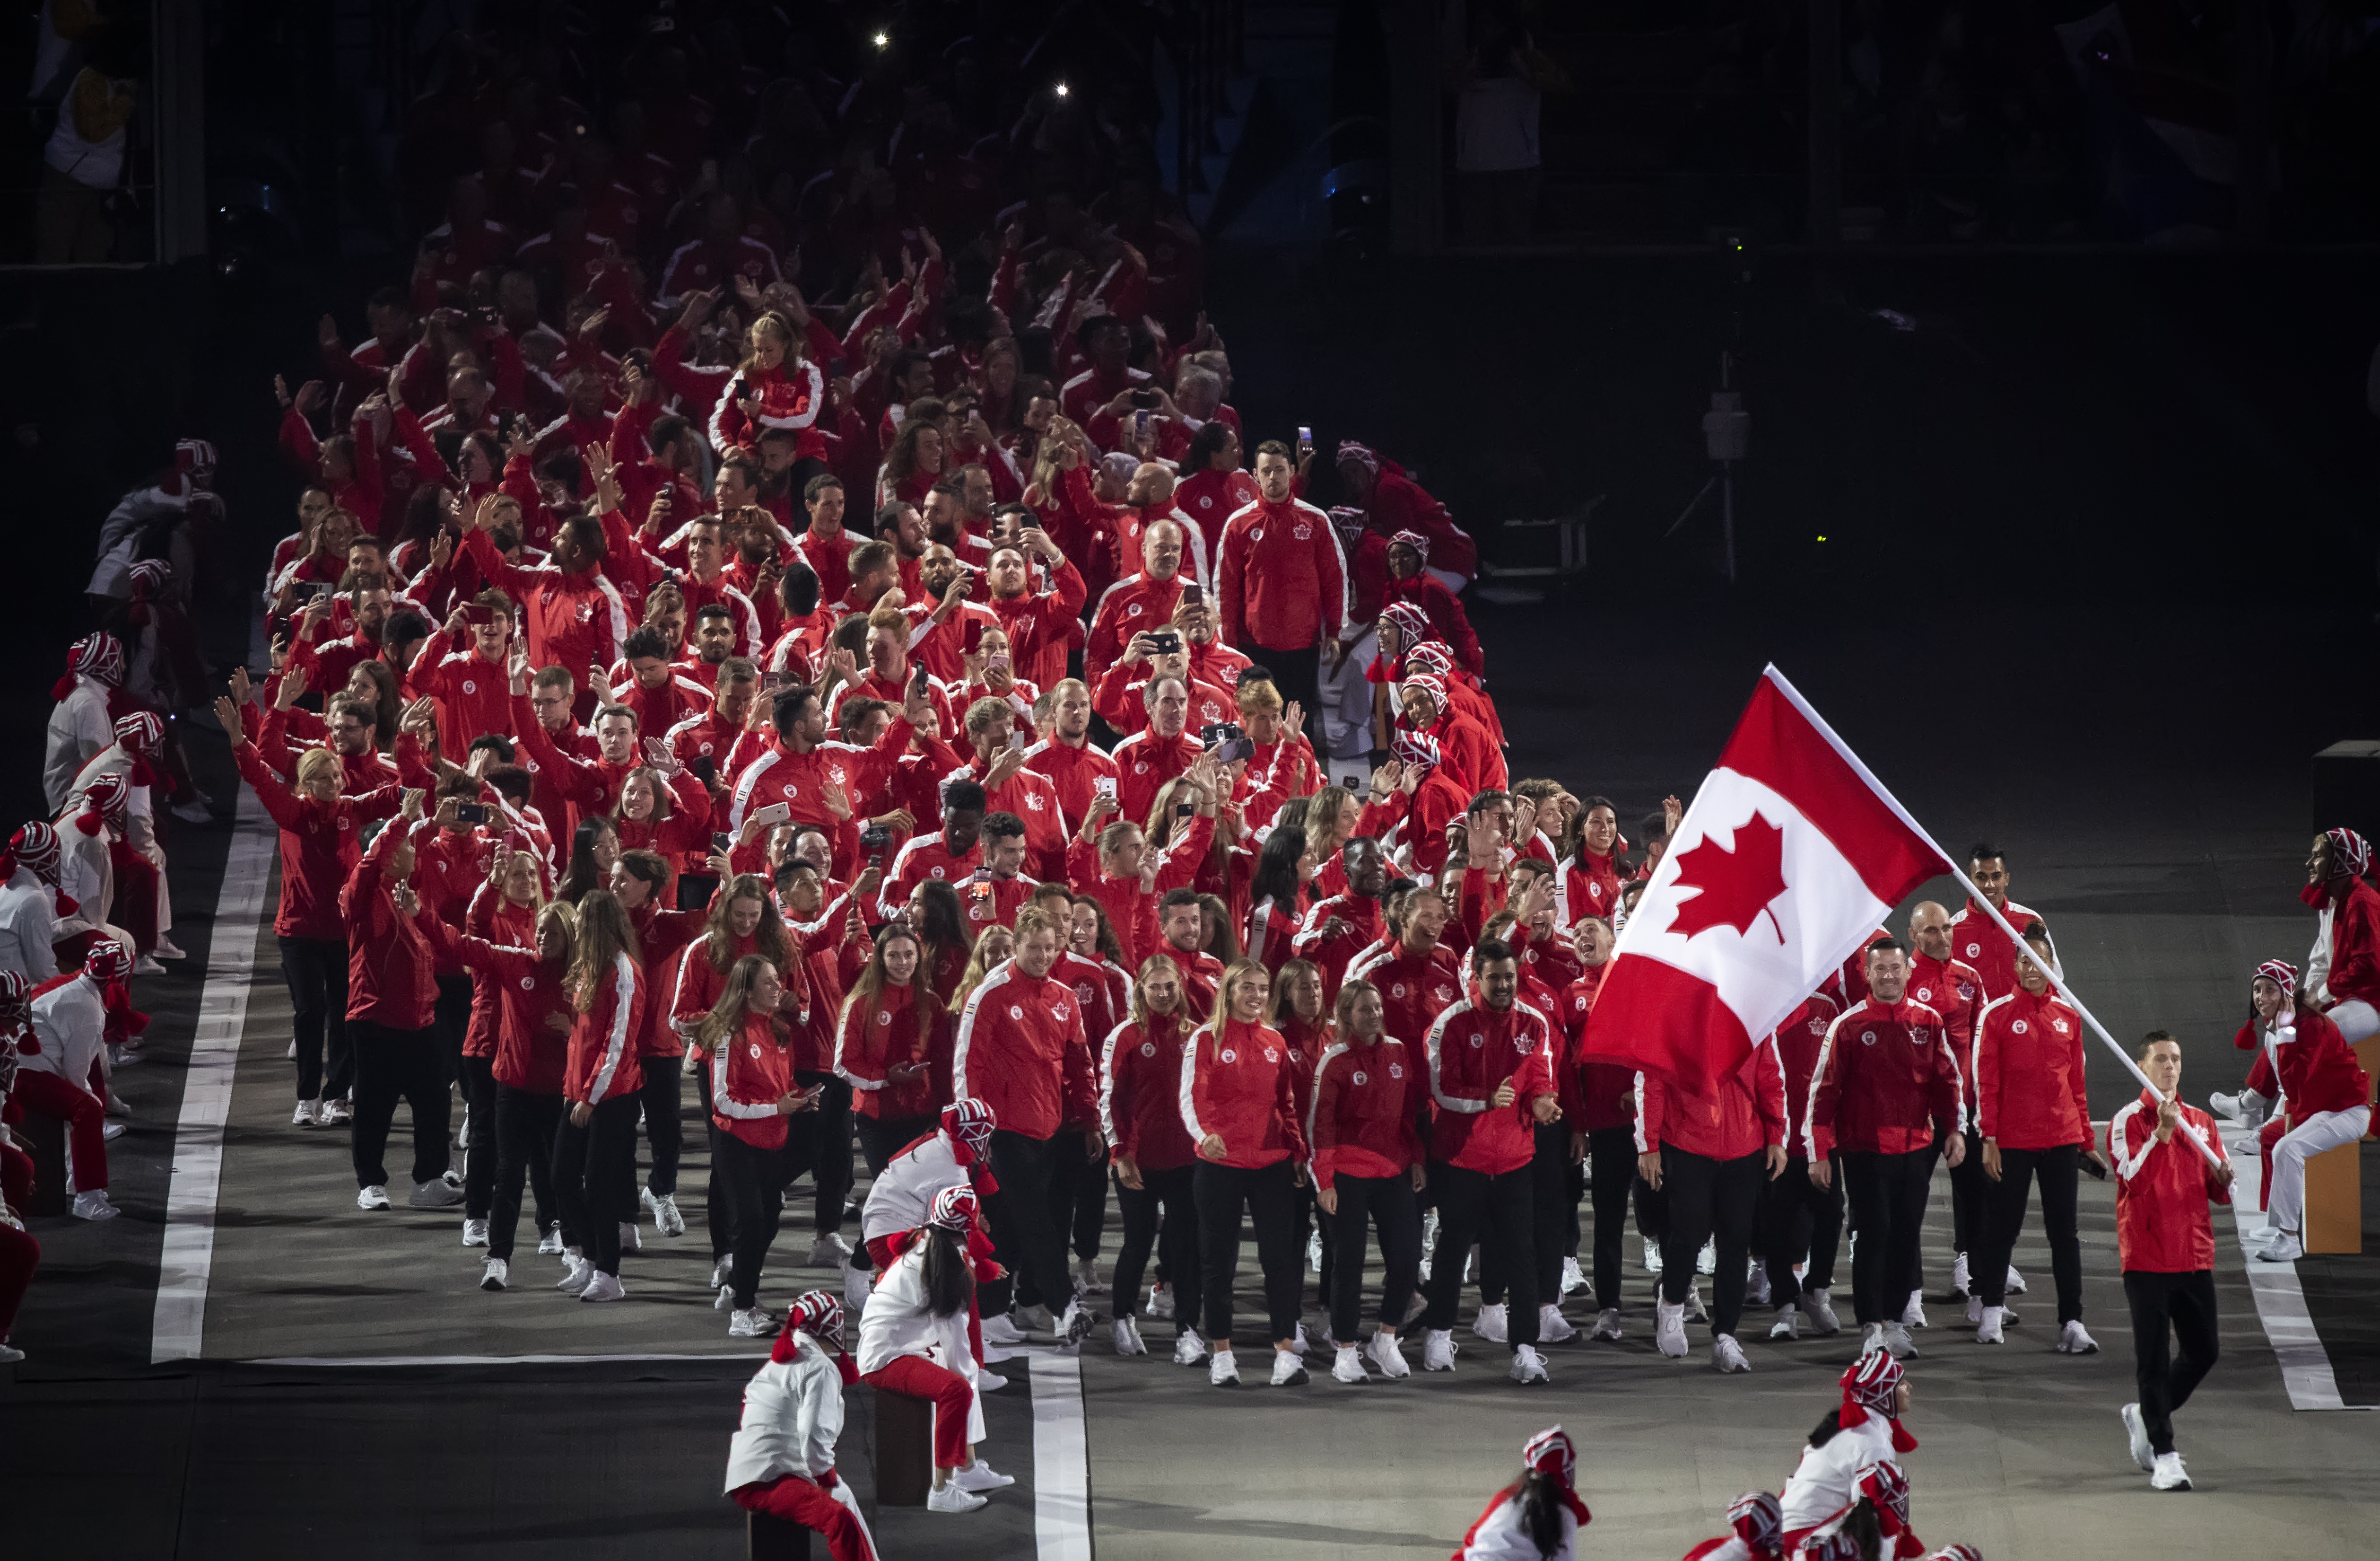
(2056, 981)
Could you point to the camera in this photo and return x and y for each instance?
(873, 837)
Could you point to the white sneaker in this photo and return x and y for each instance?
(292, 1052)
(1297, 1340)
(954, 1497)
(2247, 1107)
(1652, 1259)
(304, 1115)
(666, 1219)
(1871, 1338)
(1188, 1348)
(434, 1194)
(2014, 1284)
(1161, 1303)
(1313, 1251)
(980, 1476)
(117, 1106)
(372, 1198)
(1786, 1325)
(112, 1131)
(147, 966)
(550, 1244)
(1087, 1276)
(1288, 1369)
(1034, 1320)
(1706, 1260)
(10, 1355)
(1528, 1366)
(988, 1381)
(93, 1205)
(1607, 1324)
(339, 1112)
(474, 1233)
(1127, 1337)
(1553, 1326)
(1987, 1327)
(2169, 1475)
(1694, 1304)
(725, 1264)
(1755, 1284)
(749, 1324)
(2281, 1247)
(1669, 1328)
(1439, 1350)
(1075, 1326)
(1726, 1355)
(2073, 1339)
(1820, 1311)
(1571, 1276)
(1414, 1308)
(1959, 1286)
(630, 1240)
(723, 1299)
(1223, 1371)
(1489, 1323)
(1382, 1352)
(602, 1287)
(1914, 1314)
(1348, 1365)
(581, 1274)
(496, 1276)
(1897, 1340)
(2136, 1430)
(830, 1251)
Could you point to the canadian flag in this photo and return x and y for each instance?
(1786, 862)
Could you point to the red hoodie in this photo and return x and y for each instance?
(1021, 1049)
(1473, 1049)
(2028, 1087)
(1238, 1081)
(1141, 1092)
(1366, 1102)
(391, 958)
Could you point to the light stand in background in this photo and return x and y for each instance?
(1727, 435)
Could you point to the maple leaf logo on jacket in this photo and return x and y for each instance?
(1734, 887)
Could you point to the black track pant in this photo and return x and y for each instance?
(2057, 1168)
(591, 1166)
(830, 1151)
(393, 1064)
(1886, 1195)
(1496, 1211)
(1797, 1216)
(523, 1127)
(1611, 1170)
(1552, 1209)
(478, 1077)
(1967, 1200)
(1388, 1203)
(1079, 1194)
(752, 1180)
(1710, 1198)
(1162, 1216)
(664, 1133)
(1270, 1196)
(1024, 1236)
(316, 970)
(2169, 1309)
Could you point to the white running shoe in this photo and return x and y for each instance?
(666, 1219)
(725, 1264)
(954, 1497)
(2281, 1247)
(1988, 1326)
(582, 1272)
(1313, 1251)
(1087, 1276)
(1439, 1350)
(1075, 1325)
(1528, 1367)
(1694, 1303)
(2136, 1430)
(1669, 1328)
(2014, 1284)
(1127, 1337)
(1571, 1276)
(1489, 1323)
(1959, 1286)
(2073, 1339)
(1288, 1369)
(1553, 1326)
(496, 1276)
(1914, 1314)
(1871, 1338)
(1297, 1341)
(434, 1194)
(749, 1324)
(2169, 1475)
(93, 1205)
(830, 1251)
(147, 966)
(1382, 1352)
(1607, 1324)
(1897, 1340)
(1223, 1371)
(1786, 1325)
(1820, 1311)
(339, 1112)
(112, 1131)
(1755, 1284)
(989, 1381)
(1726, 1355)
(474, 1233)
(725, 1299)
(630, 1240)
(1161, 1303)
(980, 1476)
(372, 1198)
(1188, 1348)
(602, 1287)
(550, 1244)
(292, 1052)
(1652, 1259)
(10, 1355)
(2247, 1107)
(1706, 1259)
(1348, 1365)
(304, 1115)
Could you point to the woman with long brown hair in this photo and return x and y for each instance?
(595, 1148)
(892, 1046)
(672, 822)
(742, 921)
(913, 1340)
(534, 1018)
(914, 464)
(1140, 1112)
(752, 1092)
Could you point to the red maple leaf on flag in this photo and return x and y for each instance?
(1733, 888)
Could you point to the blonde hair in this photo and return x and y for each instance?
(1259, 697)
(1140, 1009)
(980, 964)
(726, 1017)
(314, 762)
(1236, 974)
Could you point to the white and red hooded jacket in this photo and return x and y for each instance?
(2029, 1087)
(1022, 1050)
(1238, 1081)
(2163, 1190)
(1497, 1534)
(1141, 1092)
(903, 1193)
(1744, 1114)
(603, 1063)
(2351, 916)
(793, 1415)
(1367, 1105)
(1886, 1084)
(1828, 1483)
(750, 1073)
(1472, 1050)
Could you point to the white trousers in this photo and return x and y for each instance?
(2357, 1020)
(2284, 1207)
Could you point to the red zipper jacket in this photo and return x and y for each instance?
(1104, 991)
(497, 921)
(1334, 954)
(1126, 608)
(870, 1041)
(1141, 1092)
(603, 1063)
(1281, 580)
(1595, 1096)
(1415, 988)
(1586, 885)
(1800, 1040)
(1473, 1050)
(1366, 1102)
(1952, 989)
(1744, 1114)
(319, 848)
(530, 1053)
(1238, 1081)
(661, 940)
(1072, 772)
(1132, 910)
(2354, 972)
(1144, 762)
(2029, 1087)
(391, 958)
(1021, 1049)
(1885, 1082)
(2163, 1225)
(1984, 948)
(748, 1075)
(2318, 1068)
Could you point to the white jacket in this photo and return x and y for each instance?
(1498, 1536)
(79, 727)
(70, 1021)
(1824, 1487)
(792, 1413)
(29, 925)
(87, 876)
(904, 1195)
(898, 1321)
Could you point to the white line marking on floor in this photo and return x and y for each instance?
(1062, 1465)
(385, 1360)
(187, 1259)
(2280, 1301)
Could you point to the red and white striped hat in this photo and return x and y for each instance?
(2280, 972)
(2349, 850)
(955, 1209)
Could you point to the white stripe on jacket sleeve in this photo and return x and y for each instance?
(623, 1002)
(1189, 1083)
